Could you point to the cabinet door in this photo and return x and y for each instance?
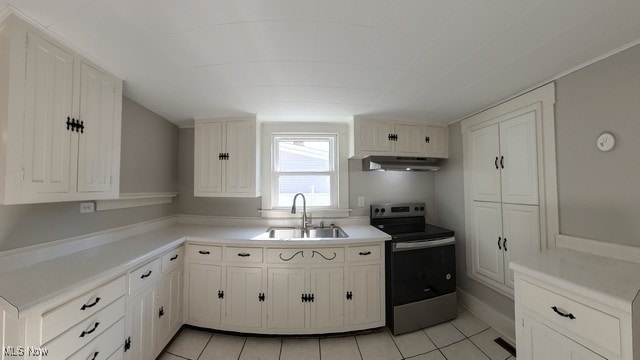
(205, 283)
(437, 141)
(327, 287)
(168, 307)
(240, 168)
(207, 165)
(519, 157)
(48, 103)
(96, 142)
(364, 284)
(543, 343)
(410, 139)
(485, 157)
(486, 240)
(140, 325)
(285, 308)
(242, 304)
(373, 136)
(521, 230)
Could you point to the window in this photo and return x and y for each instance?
(304, 164)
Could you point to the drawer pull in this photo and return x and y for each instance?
(204, 252)
(87, 332)
(324, 257)
(562, 313)
(86, 306)
(174, 257)
(95, 355)
(292, 256)
(244, 254)
(146, 275)
(364, 253)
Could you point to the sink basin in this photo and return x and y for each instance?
(312, 233)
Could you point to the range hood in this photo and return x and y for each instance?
(400, 163)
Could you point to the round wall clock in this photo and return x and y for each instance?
(606, 141)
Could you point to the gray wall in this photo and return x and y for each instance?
(598, 192)
(148, 166)
(149, 161)
(374, 186)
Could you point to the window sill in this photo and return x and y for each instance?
(315, 214)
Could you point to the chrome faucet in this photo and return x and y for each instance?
(305, 220)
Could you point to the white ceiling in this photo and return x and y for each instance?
(430, 60)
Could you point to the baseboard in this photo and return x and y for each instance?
(501, 323)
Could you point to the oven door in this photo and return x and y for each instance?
(423, 270)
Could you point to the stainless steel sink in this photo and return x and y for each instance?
(313, 233)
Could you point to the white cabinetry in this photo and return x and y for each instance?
(226, 158)
(574, 305)
(285, 290)
(502, 231)
(62, 118)
(154, 306)
(511, 210)
(374, 137)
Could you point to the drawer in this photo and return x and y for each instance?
(243, 254)
(104, 346)
(144, 275)
(80, 335)
(207, 253)
(305, 256)
(364, 253)
(172, 259)
(592, 324)
(63, 317)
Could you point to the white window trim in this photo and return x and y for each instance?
(341, 131)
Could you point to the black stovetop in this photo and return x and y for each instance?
(411, 229)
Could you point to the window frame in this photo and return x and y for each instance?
(276, 138)
(340, 185)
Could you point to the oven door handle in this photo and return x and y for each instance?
(413, 245)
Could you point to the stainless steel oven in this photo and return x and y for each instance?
(420, 268)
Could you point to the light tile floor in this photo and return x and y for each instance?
(465, 338)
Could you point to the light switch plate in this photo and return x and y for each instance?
(361, 200)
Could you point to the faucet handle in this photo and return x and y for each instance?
(322, 224)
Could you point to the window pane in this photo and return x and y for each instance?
(304, 155)
(316, 189)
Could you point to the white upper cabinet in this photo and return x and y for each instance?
(62, 120)
(374, 137)
(226, 158)
(504, 161)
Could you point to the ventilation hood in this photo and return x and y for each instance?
(400, 163)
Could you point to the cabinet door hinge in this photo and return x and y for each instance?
(22, 174)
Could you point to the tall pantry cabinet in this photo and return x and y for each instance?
(505, 194)
(61, 116)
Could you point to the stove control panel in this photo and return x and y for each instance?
(397, 210)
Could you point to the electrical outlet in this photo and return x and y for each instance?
(87, 207)
(361, 201)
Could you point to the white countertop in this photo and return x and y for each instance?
(43, 283)
(609, 281)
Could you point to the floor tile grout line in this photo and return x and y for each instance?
(242, 349)
(393, 339)
(358, 346)
(281, 344)
(205, 346)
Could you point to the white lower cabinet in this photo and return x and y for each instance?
(205, 294)
(140, 326)
(286, 290)
(364, 294)
(295, 290)
(327, 306)
(543, 343)
(244, 297)
(154, 308)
